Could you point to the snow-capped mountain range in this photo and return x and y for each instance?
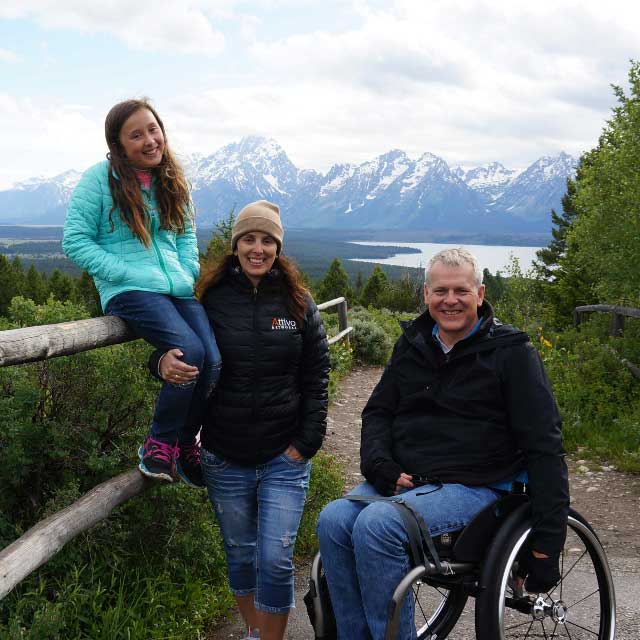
(391, 191)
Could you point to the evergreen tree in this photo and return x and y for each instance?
(335, 283)
(374, 289)
(17, 276)
(357, 289)
(35, 286)
(403, 294)
(494, 286)
(549, 257)
(61, 286)
(7, 285)
(220, 243)
(86, 294)
(603, 243)
(564, 285)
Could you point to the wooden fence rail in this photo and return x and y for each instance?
(343, 327)
(19, 346)
(616, 325)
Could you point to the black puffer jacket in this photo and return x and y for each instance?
(475, 416)
(273, 388)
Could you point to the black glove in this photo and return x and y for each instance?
(385, 476)
(542, 574)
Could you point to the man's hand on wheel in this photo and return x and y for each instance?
(541, 572)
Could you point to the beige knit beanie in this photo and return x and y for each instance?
(258, 216)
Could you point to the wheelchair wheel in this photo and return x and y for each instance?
(437, 603)
(437, 607)
(581, 606)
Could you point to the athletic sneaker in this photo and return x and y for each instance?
(157, 459)
(188, 465)
(253, 634)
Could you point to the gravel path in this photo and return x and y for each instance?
(610, 501)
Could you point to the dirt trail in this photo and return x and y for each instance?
(610, 501)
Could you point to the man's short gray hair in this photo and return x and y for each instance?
(454, 258)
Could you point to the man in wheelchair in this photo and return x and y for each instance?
(463, 410)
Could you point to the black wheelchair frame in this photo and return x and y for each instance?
(481, 561)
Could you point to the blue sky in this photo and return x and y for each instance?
(330, 80)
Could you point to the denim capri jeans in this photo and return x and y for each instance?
(259, 509)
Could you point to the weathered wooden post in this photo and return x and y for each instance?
(577, 318)
(616, 328)
(45, 539)
(341, 303)
(343, 321)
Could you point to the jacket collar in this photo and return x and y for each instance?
(490, 334)
(271, 281)
(117, 177)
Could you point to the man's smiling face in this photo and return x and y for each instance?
(453, 298)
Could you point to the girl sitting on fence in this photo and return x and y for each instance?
(130, 225)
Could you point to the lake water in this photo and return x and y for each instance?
(492, 257)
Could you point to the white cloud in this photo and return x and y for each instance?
(46, 141)
(470, 81)
(7, 55)
(180, 27)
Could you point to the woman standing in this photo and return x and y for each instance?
(267, 417)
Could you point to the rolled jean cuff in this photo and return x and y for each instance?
(267, 609)
(242, 592)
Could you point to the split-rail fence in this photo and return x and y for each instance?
(47, 537)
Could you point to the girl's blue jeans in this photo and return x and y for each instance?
(363, 548)
(259, 509)
(174, 323)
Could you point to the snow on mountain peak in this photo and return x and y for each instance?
(427, 163)
(375, 192)
(487, 177)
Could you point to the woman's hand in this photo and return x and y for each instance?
(294, 454)
(173, 370)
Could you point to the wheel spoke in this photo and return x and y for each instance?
(544, 631)
(583, 599)
(529, 629)
(574, 624)
(563, 578)
(520, 624)
(567, 630)
(561, 573)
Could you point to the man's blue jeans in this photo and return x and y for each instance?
(174, 323)
(363, 548)
(259, 510)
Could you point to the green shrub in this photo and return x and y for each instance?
(371, 345)
(326, 484)
(341, 364)
(598, 397)
(66, 425)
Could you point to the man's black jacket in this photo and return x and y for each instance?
(477, 415)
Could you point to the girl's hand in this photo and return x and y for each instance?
(294, 454)
(173, 370)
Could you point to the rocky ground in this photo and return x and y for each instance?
(610, 501)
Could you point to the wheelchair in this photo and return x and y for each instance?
(481, 562)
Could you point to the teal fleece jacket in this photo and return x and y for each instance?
(116, 259)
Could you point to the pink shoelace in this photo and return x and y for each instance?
(190, 454)
(160, 450)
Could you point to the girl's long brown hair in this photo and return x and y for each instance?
(295, 293)
(172, 190)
